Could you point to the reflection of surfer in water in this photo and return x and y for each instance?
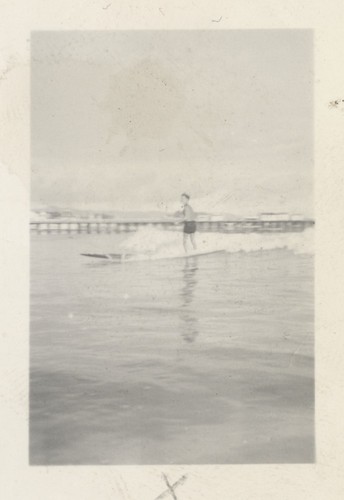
(189, 222)
(187, 313)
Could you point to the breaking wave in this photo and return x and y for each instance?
(158, 241)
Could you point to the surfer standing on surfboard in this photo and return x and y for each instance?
(189, 222)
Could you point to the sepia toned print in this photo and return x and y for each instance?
(172, 248)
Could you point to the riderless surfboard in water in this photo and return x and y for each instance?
(189, 222)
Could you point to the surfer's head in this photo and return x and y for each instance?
(185, 198)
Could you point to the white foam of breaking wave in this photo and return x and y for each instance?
(152, 240)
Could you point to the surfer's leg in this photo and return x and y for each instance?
(185, 238)
(193, 241)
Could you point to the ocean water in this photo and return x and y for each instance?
(188, 361)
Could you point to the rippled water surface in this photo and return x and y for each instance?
(200, 360)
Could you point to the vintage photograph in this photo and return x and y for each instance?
(172, 262)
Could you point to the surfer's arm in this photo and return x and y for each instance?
(180, 218)
(187, 215)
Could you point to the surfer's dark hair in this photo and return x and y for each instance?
(186, 196)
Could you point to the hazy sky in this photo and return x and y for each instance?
(133, 118)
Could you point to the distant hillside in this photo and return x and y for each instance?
(67, 212)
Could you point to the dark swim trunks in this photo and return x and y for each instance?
(189, 227)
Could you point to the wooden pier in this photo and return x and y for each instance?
(223, 226)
